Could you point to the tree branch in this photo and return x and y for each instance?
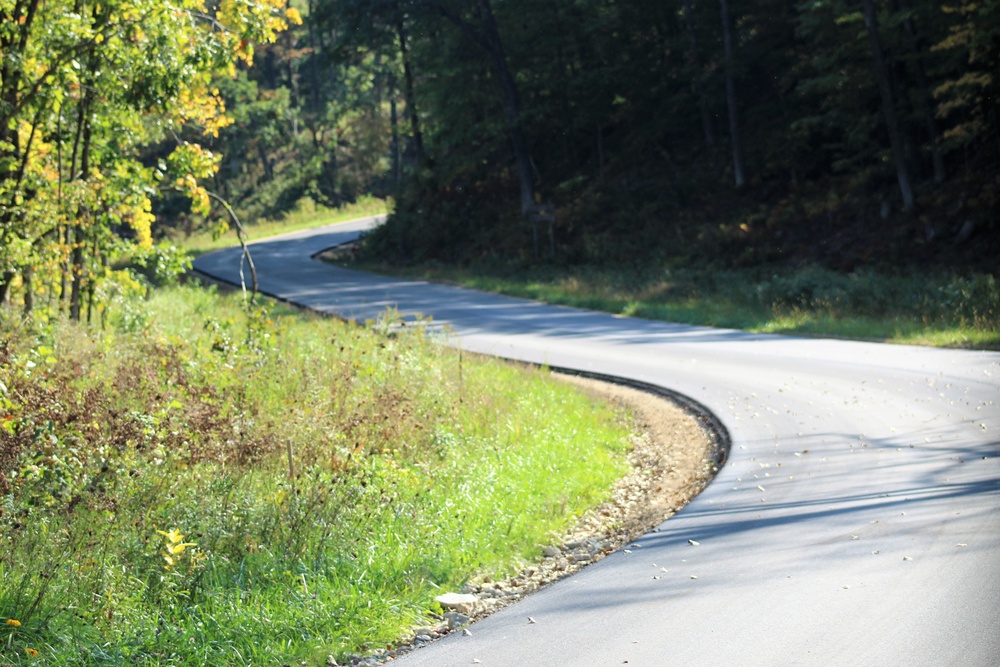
(241, 235)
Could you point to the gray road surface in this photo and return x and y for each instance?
(857, 521)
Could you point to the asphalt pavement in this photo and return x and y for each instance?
(856, 522)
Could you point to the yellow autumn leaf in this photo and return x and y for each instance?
(174, 535)
(174, 549)
(293, 16)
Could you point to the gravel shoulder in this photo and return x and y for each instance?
(673, 458)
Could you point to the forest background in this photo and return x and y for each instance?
(841, 135)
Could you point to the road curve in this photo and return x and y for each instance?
(857, 521)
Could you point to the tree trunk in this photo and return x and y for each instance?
(888, 105)
(411, 103)
(13, 45)
(27, 277)
(79, 238)
(511, 104)
(76, 266)
(397, 175)
(5, 281)
(734, 122)
(696, 87)
(925, 98)
(64, 276)
(315, 88)
(265, 161)
(488, 37)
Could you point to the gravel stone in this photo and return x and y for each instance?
(455, 619)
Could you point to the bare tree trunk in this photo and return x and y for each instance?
(734, 122)
(246, 256)
(696, 87)
(888, 105)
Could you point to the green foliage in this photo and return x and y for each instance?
(165, 263)
(85, 87)
(621, 107)
(968, 97)
(241, 486)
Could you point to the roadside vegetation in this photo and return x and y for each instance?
(199, 482)
(307, 214)
(935, 308)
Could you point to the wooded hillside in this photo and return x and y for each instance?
(836, 133)
(831, 131)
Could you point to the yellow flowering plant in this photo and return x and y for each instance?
(174, 548)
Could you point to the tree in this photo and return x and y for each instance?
(696, 75)
(84, 86)
(968, 96)
(482, 29)
(731, 102)
(888, 105)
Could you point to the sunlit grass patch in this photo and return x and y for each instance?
(240, 486)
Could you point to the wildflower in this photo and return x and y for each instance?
(14, 622)
(173, 536)
(32, 653)
(174, 547)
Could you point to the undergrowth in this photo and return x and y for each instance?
(207, 484)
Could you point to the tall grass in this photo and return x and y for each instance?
(939, 309)
(205, 485)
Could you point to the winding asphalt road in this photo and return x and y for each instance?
(857, 521)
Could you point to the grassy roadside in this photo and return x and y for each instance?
(935, 309)
(306, 215)
(201, 484)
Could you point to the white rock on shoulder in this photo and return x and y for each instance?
(458, 601)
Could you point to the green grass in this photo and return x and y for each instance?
(313, 484)
(306, 215)
(938, 309)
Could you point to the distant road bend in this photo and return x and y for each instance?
(857, 521)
